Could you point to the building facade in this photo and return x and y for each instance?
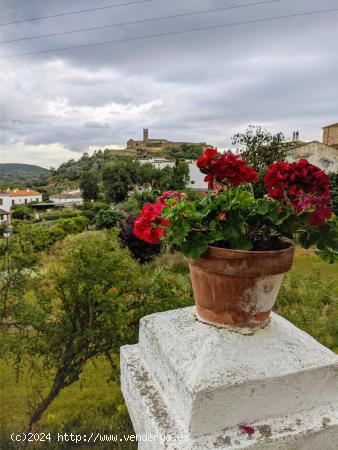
(322, 154)
(24, 196)
(70, 198)
(13, 197)
(330, 135)
(5, 201)
(317, 153)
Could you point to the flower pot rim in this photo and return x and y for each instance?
(290, 248)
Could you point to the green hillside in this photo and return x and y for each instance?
(22, 174)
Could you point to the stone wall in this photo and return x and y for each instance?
(330, 135)
(316, 153)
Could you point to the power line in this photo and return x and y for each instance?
(171, 33)
(80, 11)
(154, 19)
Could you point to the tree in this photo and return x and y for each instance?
(81, 302)
(17, 261)
(107, 218)
(186, 151)
(180, 176)
(90, 209)
(89, 185)
(261, 148)
(119, 177)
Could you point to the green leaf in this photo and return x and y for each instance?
(328, 255)
(243, 243)
(195, 245)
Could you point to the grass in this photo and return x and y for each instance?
(307, 298)
(93, 404)
(307, 261)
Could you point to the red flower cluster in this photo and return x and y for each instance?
(227, 168)
(149, 225)
(305, 185)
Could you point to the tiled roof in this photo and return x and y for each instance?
(4, 213)
(23, 193)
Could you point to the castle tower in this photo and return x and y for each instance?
(145, 134)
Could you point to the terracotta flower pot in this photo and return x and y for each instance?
(237, 289)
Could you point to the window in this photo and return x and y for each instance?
(37, 199)
(25, 201)
(1, 201)
(2, 217)
(13, 202)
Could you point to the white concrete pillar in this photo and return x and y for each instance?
(191, 386)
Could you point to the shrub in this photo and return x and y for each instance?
(68, 226)
(67, 213)
(141, 250)
(22, 212)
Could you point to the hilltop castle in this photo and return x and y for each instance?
(155, 145)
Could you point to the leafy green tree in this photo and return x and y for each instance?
(17, 261)
(180, 176)
(90, 209)
(107, 218)
(148, 174)
(119, 178)
(36, 235)
(186, 151)
(81, 298)
(89, 185)
(261, 148)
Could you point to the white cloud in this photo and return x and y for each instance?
(41, 155)
(200, 87)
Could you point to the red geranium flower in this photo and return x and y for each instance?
(306, 186)
(203, 161)
(227, 168)
(318, 217)
(149, 225)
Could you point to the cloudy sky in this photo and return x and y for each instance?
(199, 86)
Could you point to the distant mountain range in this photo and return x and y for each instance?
(25, 174)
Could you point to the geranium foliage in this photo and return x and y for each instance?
(295, 206)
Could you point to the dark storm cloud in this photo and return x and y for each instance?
(199, 86)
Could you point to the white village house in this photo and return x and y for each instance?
(70, 198)
(13, 197)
